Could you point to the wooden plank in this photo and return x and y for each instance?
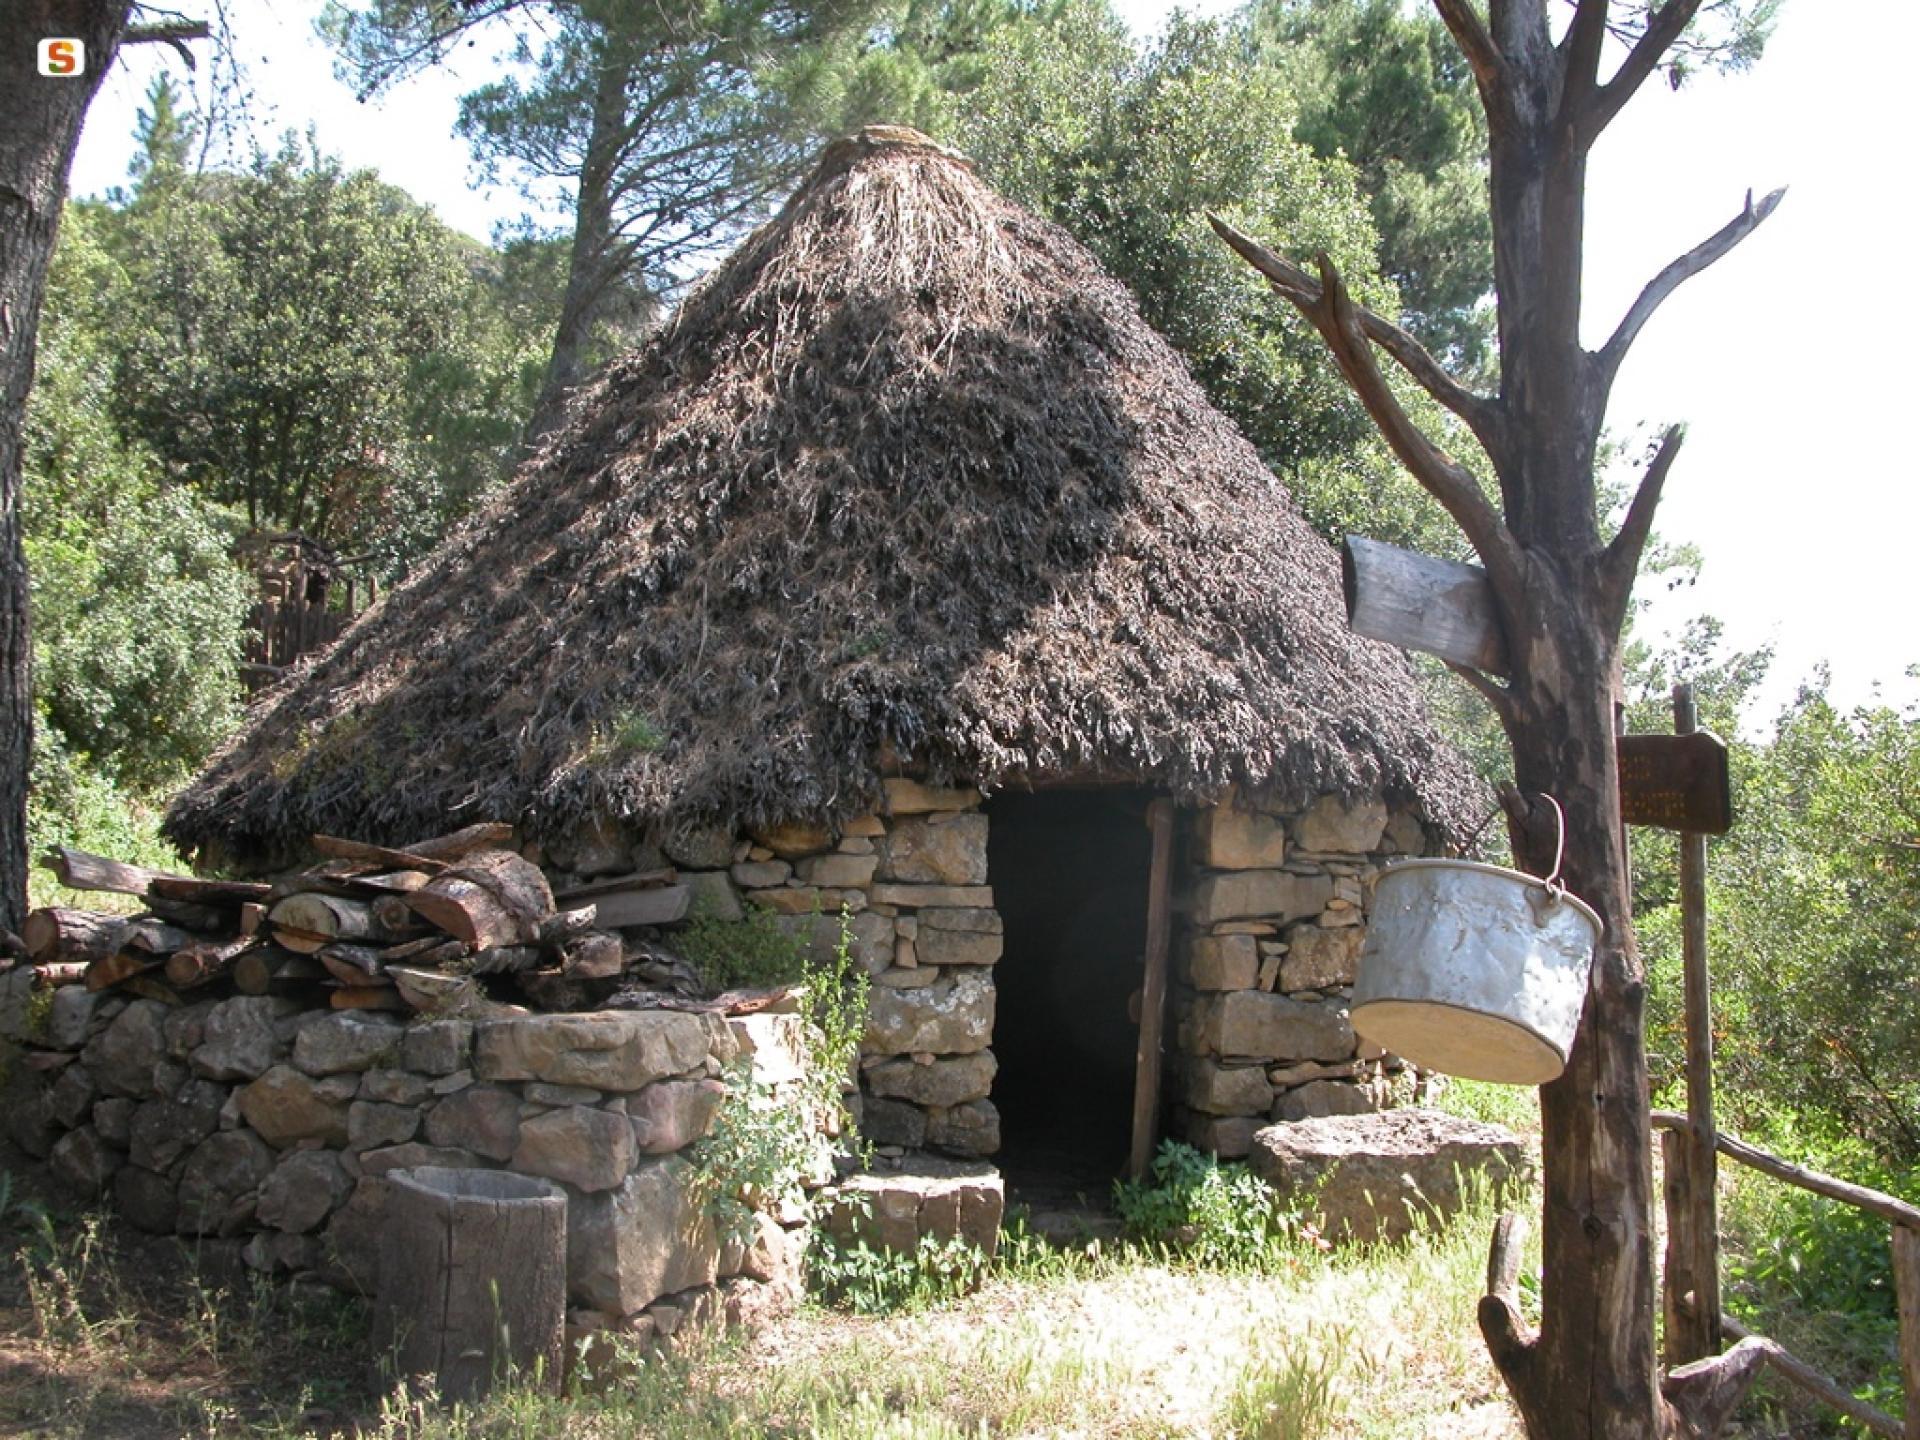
(403, 860)
(1415, 601)
(1861, 1197)
(1676, 782)
(1703, 1169)
(1153, 995)
(1906, 1284)
(79, 870)
(1793, 1368)
(658, 905)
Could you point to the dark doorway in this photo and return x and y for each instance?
(1069, 874)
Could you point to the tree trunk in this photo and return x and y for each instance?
(40, 118)
(590, 272)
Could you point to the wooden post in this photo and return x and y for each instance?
(1679, 1285)
(1702, 1335)
(1906, 1284)
(1153, 994)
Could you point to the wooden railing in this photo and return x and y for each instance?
(1691, 1145)
(1681, 1292)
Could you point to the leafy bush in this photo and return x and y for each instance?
(750, 953)
(1216, 1215)
(855, 1276)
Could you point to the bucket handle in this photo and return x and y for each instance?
(1555, 890)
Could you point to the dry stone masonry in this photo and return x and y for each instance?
(269, 1128)
(1267, 950)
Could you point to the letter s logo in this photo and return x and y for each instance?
(63, 57)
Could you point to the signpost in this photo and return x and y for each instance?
(1676, 782)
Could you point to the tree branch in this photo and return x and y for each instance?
(1339, 322)
(1581, 47)
(1509, 1338)
(1706, 1392)
(1491, 690)
(1483, 56)
(1480, 412)
(174, 32)
(1620, 562)
(1674, 275)
(1664, 26)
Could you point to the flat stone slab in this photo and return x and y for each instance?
(1373, 1177)
(929, 1197)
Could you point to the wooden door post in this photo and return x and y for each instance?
(1153, 994)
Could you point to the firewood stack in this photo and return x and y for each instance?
(441, 926)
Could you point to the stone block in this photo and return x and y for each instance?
(125, 1057)
(1234, 839)
(84, 1162)
(1251, 1024)
(219, 1188)
(841, 872)
(936, 850)
(924, 897)
(303, 1190)
(1341, 827)
(413, 1153)
(1404, 835)
(346, 1041)
(969, 1129)
(437, 1047)
(943, 1084)
(394, 1087)
(113, 1118)
(910, 797)
(711, 895)
(672, 1114)
(894, 1122)
(237, 1039)
(605, 1050)
(145, 1199)
(70, 1016)
(1318, 959)
(761, 874)
(350, 1246)
(699, 847)
(1264, 894)
(939, 946)
(776, 1046)
(586, 1148)
(1227, 1089)
(162, 1131)
(954, 1017)
(372, 1125)
(1228, 1136)
(648, 1237)
(70, 1098)
(1373, 1177)
(482, 1118)
(1223, 962)
(935, 1197)
(286, 1106)
(792, 840)
(1319, 1098)
(17, 1005)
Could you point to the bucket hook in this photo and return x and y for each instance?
(1555, 889)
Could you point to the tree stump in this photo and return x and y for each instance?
(473, 1277)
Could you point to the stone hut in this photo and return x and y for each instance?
(907, 570)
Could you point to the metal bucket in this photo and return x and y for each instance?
(1474, 970)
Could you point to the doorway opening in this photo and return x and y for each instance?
(1069, 870)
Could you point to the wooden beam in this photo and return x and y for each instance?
(1814, 1383)
(1440, 607)
(1906, 1284)
(1861, 1197)
(1153, 995)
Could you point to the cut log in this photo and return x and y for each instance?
(252, 915)
(78, 870)
(462, 843)
(380, 855)
(301, 942)
(155, 937)
(266, 967)
(353, 964)
(473, 1278)
(227, 893)
(367, 997)
(329, 916)
(560, 927)
(491, 899)
(434, 992)
(659, 905)
(1422, 603)
(59, 972)
(149, 986)
(639, 881)
(555, 991)
(428, 951)
(56, 934)
(502, 959)
(397, 882)
(393, 915)
(203, 961)
(111, 970)
(189, 915)
(595, 955)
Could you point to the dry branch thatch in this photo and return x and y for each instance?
(907, 475)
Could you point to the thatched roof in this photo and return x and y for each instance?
(907, 476)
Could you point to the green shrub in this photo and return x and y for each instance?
(867, 1281)
(750, 953)
(1215, 1215)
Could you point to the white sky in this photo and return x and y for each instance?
(1782, 359)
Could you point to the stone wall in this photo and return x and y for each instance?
(268, 1129)
(1271, 929)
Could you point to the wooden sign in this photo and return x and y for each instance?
(1676, 782)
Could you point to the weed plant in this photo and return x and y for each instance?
(1210, 1213)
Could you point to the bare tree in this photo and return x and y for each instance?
(1561, 588)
